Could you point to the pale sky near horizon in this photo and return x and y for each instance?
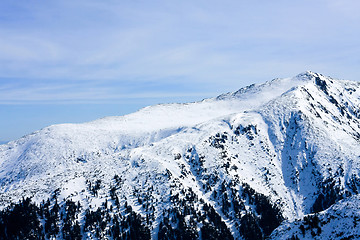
(76, 61)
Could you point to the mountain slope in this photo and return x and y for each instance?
(233, 166)
(340, 221)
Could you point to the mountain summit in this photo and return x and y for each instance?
(279, 160)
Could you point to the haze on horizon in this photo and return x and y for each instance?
(76, 61)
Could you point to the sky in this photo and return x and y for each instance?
(66, 61)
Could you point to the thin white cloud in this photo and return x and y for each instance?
(225, 43)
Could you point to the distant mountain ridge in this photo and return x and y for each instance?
(255, 163)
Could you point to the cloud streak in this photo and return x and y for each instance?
(74, 47)
(76, 92)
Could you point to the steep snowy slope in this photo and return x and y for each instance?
(233, 166)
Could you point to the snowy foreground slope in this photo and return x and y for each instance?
(340, 221)
(262, 161)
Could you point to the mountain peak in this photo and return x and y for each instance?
(309, 75)
(272, 88)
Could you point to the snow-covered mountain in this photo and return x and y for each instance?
(236, 166)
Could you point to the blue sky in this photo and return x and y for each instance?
(75, 61)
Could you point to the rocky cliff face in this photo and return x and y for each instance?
(236, 167)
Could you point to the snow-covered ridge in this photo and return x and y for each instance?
(168, 118)
(286, 141)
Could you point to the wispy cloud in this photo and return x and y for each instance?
(91, 50)
(89, 91)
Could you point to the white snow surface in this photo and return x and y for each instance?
(337, 222)
(298, 136)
